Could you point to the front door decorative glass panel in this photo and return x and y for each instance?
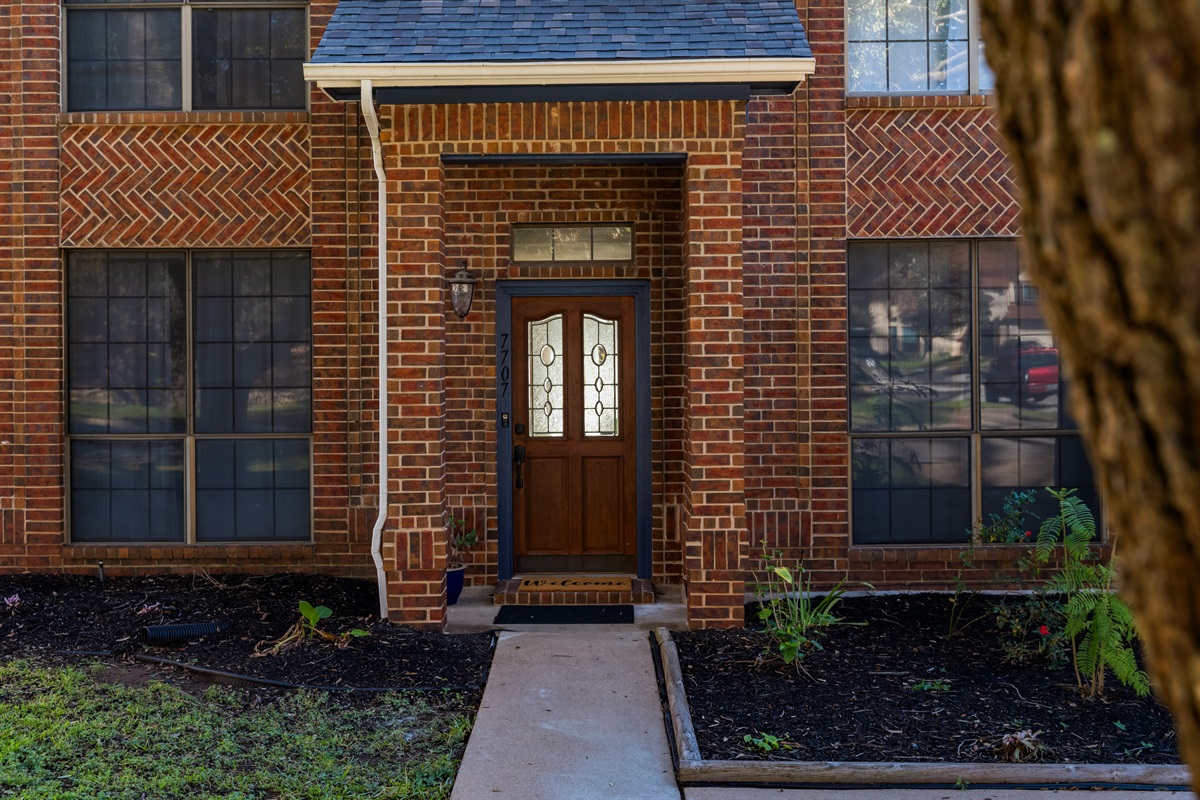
(574, 450)
(600, 381)
(546, 376)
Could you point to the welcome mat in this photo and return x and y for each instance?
(575, 583)
(564, 615)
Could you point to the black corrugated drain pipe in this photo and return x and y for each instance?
(167, 634)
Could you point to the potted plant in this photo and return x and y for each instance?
(461, 540)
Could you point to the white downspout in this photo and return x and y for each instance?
(367, 101)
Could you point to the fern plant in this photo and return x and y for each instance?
(1099, 624)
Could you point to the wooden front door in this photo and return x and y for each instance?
(574, 434)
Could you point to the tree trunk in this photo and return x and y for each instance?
(1100, 104)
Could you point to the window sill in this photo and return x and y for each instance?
(182, 117)
(898, 101)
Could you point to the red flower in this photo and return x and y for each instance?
(1028, 534)
(1044, 631)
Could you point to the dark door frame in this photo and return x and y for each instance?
(505, 292)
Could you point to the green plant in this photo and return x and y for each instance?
(1099, 625)
(1032, 628)
(792, 615)
(1005, 527)
(935, 685)
(1021, 745)
(766, 743)
(461, 540)
(308, 627)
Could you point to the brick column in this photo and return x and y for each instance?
(714, 514)
(31, 363)
(414, 547)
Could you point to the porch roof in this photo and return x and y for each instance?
(475, 50)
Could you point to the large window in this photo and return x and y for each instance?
(189, 376)
(124, 55)
(956, 393)
(915, 46)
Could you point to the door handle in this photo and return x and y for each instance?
(519, 460)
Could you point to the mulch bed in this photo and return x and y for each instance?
(861, 698)
(61, 616)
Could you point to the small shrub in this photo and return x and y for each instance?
(1006, 527)
(1031, 628)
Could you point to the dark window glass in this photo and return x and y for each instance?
(1011, 464)
(253, 331)
(911, 490)
(252, 489)
(132, 58)
(125, 491)
(910, 334)
(127, 349)
(248, 58)
(126, 343)
(123, 59)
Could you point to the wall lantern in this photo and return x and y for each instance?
(462, 290)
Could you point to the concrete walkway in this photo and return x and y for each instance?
(569, 715)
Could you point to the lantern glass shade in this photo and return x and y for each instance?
(462, 292)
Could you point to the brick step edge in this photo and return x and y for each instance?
(507, 595)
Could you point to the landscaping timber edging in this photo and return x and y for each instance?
(694, 769)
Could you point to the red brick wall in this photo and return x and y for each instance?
(927, 166)
(707, 507)
(185, 180)
(31, 514)
(168, 180)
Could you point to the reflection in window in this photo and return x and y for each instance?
(572, 243)
(911, 490)
(600, 362)
(910, 332)
(914, 46)
(546, 369)
(914, 347)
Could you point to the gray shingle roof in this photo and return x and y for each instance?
(414, 31)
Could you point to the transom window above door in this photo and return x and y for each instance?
(572, 243)
(123, 55)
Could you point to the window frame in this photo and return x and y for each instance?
(976, 434)
(186, 50)
(189, 437)
(974, 60)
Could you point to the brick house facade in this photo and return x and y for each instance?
(746, 219)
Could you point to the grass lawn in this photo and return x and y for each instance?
(66, 734)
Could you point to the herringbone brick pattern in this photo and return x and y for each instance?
(927, 172)
(185, 186)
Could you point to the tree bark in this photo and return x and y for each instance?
(1100, 105)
